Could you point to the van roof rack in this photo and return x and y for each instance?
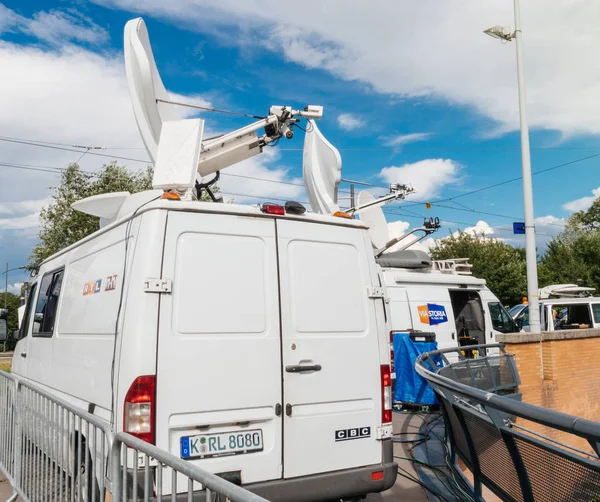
(458, 266)
(565, 291)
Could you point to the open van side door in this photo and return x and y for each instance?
(431, 310)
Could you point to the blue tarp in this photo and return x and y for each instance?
(411, 387)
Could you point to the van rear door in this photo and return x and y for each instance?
(330, 346)
(219, 356)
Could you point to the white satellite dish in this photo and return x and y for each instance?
(177, 147)
(374, 218)
(322, 171)
(145, 86)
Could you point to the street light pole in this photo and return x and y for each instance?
(530, 248)
(6, 283)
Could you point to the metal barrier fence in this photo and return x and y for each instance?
(480, 402)
(53, 451)
(132, 477)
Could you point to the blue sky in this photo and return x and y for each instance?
(413, 92)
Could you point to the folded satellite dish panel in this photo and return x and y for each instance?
(145, 86)
(322, 170)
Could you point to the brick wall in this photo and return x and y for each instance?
(570, 363)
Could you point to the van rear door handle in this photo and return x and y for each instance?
(299, 368)
(23, 354)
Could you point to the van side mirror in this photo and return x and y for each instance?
(519, 324)
(16, 334)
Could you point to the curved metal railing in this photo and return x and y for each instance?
(509, 446)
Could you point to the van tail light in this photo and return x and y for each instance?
(386, 394)
(273, 209)
(140, 408)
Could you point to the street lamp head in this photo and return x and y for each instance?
(499, 33)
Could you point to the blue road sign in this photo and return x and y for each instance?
(518, 227)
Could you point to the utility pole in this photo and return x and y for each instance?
(530, 250)
(6, 287)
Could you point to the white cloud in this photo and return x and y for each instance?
(583, 203)
(428, 177)
(30, 221)
(427, 49)
(24, 206)
(550, 221)
(15, 288)
(481, 228)
(54, 26)
(349, 122)
(403, 139)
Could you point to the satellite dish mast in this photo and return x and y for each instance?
(177, 147)
(371, 214)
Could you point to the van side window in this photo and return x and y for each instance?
(45, 310)
(596, 311)
(24, 329)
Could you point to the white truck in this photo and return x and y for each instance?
(442, 298)
(562, 306)
(247, 340)
(434, 296)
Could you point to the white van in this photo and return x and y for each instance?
(246, 340)
(441, 297)
(561, 313)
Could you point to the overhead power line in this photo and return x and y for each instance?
(145, 161)
(470, 224)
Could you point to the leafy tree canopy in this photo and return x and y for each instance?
(60, 225)
(573, 257)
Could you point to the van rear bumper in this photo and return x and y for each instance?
(328, 486)
(323, 487)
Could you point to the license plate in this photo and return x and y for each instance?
(223, 443)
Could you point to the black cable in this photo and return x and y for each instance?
(209, 109)
(453, 487)
(405, 474)
(409, 441)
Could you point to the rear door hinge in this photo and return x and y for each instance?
(152, 285)
(377, 292)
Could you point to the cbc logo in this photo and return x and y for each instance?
(348, 434)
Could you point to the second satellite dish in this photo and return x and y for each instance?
(374, 218)
(322, 171)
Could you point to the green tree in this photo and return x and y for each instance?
(500, 264)
(12, 303)
(574, 255)
(60, 225)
